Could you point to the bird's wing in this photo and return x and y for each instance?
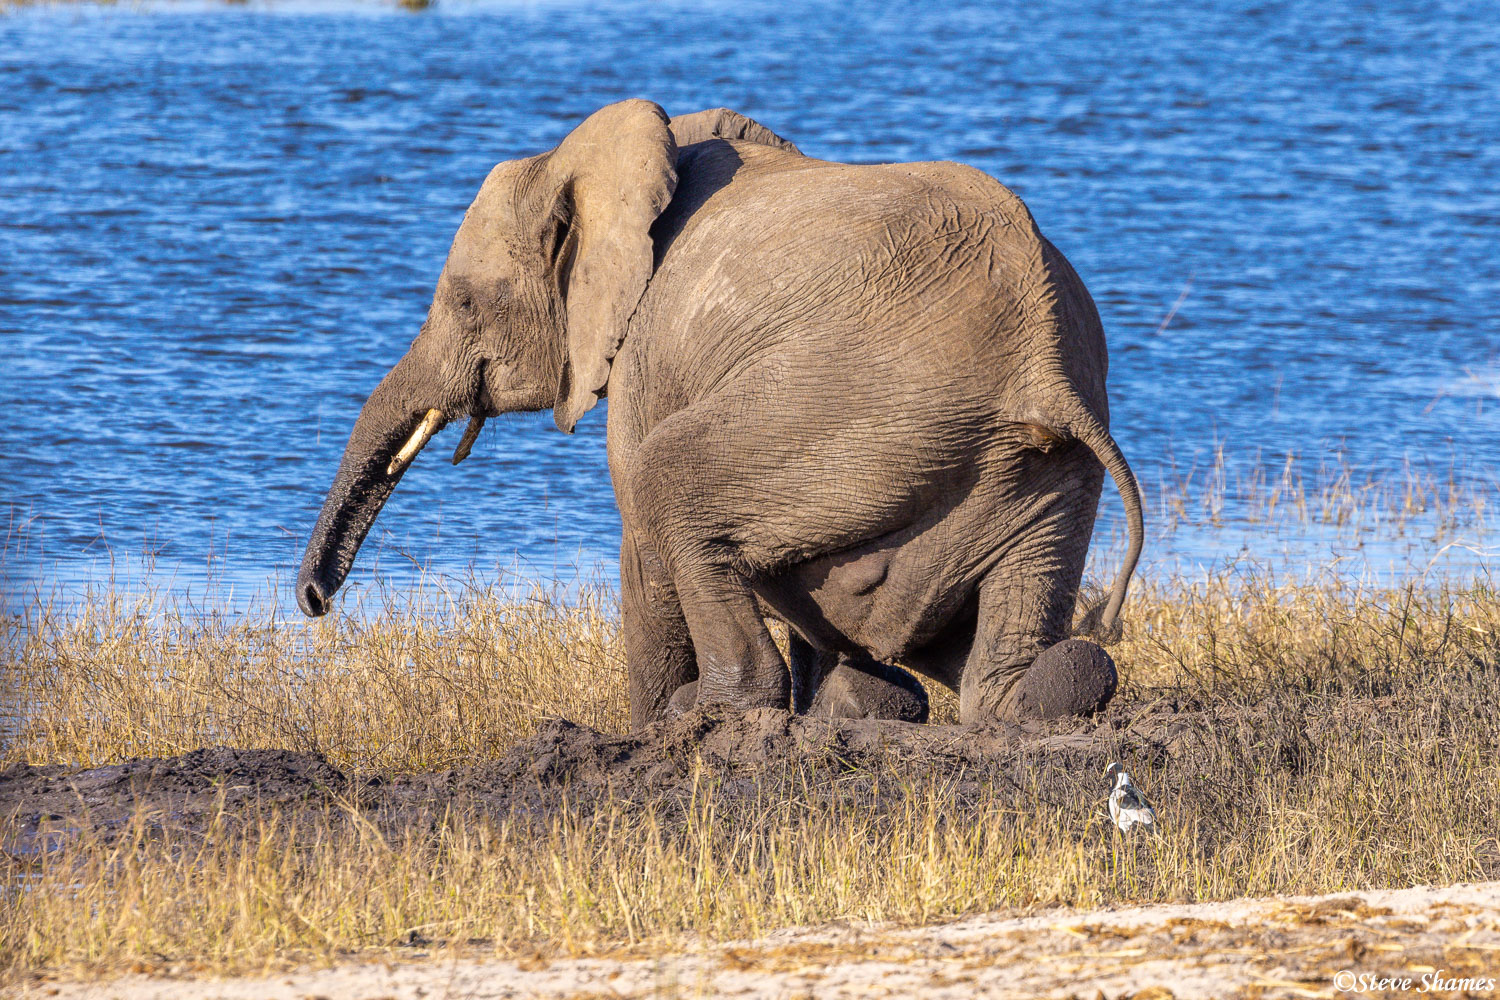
(1131, 798)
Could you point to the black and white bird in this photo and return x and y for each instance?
(1127, 806)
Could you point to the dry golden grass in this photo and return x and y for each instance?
(1333, 494)
(1306, 795)
(410, 684)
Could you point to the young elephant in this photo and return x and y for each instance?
(867, 401)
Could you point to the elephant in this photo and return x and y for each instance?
(866, 401)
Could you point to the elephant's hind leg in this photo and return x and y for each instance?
(1072, 677)
(852, 686)
(1022, 665)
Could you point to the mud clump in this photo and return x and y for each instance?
(755, 754)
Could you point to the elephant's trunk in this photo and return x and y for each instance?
(1087, 428)
(386, 437)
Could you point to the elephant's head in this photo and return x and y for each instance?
(546, 269)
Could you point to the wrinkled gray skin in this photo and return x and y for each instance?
(868, 401)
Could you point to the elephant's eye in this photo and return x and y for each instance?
(559, 239)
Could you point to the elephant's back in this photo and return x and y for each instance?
(759, 235)
(754, 219)
(746, 188)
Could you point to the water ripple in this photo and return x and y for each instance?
(218, 227)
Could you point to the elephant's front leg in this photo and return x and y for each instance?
(699, 506)
(658, 646)
(738, 662)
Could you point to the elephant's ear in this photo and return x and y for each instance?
(614, 175)
(721, 123)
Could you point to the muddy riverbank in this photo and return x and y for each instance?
(764, 753)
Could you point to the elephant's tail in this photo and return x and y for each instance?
(1087, 429)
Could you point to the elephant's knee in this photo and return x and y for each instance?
(1073, 677)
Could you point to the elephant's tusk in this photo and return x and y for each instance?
(466, 443)
(419, 438)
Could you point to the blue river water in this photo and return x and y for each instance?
(219, 225)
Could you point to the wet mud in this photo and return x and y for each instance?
(756, 754)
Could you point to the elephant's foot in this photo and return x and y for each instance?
(865, 688)
(1074, 677)
(682, 700)
(685, 699)
(872, 690)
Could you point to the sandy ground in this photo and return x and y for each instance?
(1275, 947)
